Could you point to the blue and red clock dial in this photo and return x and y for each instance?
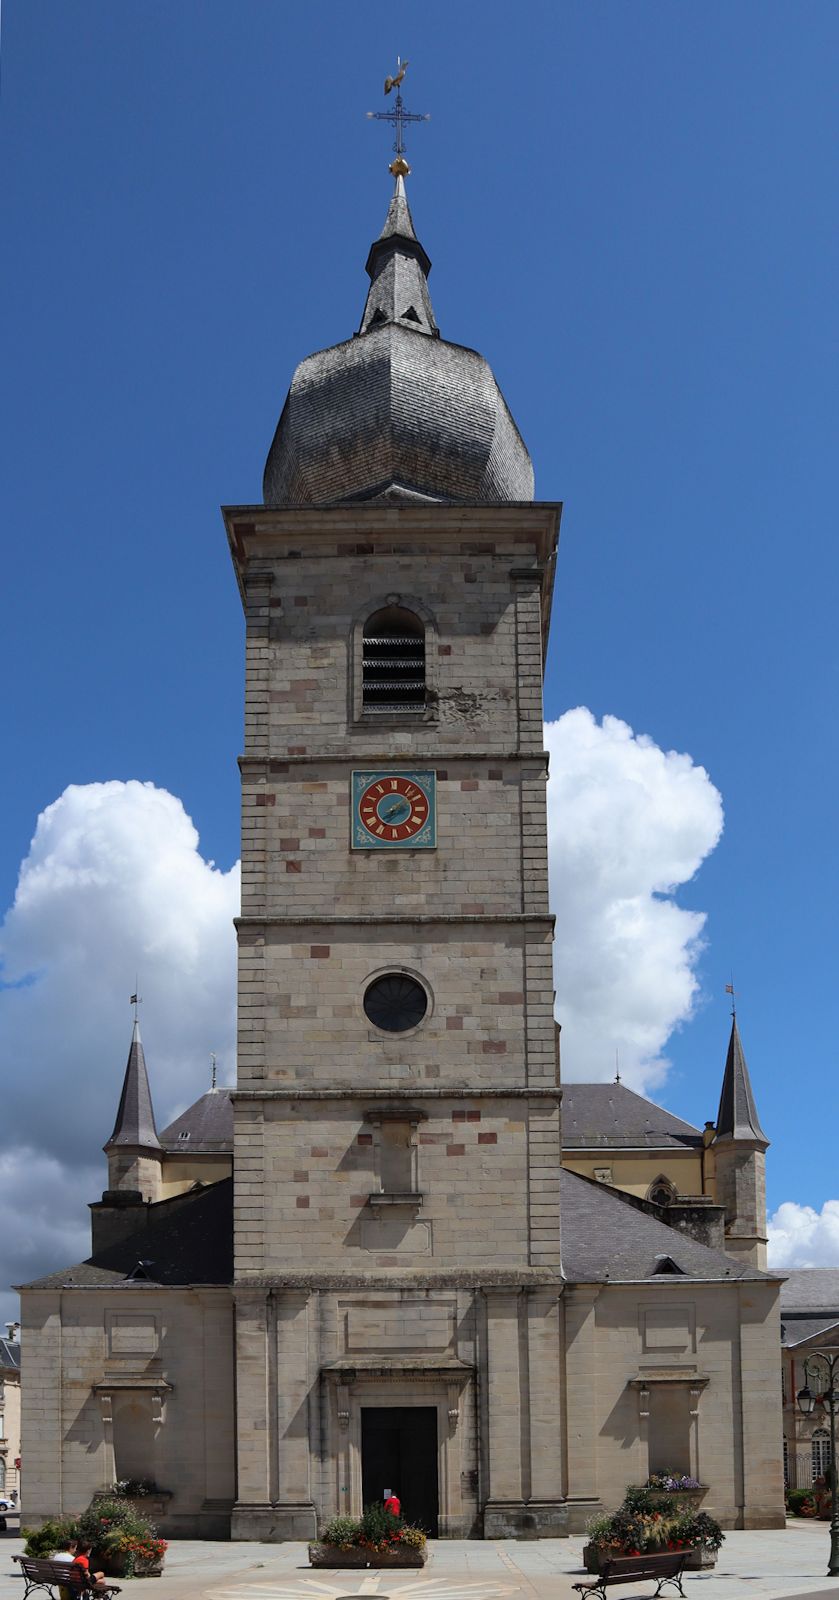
(393, 809)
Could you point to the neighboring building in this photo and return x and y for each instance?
(10, 1411)
(708, 1183)
(809, 1323)
(418, 1296)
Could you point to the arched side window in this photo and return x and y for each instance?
(393, 663)
(821, 1453)
(661, 1191)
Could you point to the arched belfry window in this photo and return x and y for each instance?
(393, 663)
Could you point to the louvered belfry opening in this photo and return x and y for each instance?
(393, 676)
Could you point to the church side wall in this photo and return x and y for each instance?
(635, 1173)
(674, 1365)
(130, 1382)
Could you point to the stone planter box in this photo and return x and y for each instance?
(697, 1560)
(401, 1556)
(116, 1566)
(333, 1555)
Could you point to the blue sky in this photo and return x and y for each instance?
(631, 212)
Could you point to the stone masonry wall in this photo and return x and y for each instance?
(722, 1341)
(319, 1163)
(79, 1347)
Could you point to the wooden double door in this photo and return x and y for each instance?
(399, 1453)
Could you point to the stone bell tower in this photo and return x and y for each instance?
(397, 1150)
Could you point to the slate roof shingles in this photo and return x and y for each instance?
(610, 1116)
(209, 1123)
(187, 1239)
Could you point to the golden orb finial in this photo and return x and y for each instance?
(399, 168)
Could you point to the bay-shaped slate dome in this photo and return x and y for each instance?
(396, 412)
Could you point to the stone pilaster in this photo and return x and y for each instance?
(760, 1412)
(505, 1500)
(582, 1419)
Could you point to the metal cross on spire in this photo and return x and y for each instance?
(398, 118)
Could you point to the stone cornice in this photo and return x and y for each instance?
(411, 1091)
(362, 1282)
(259, 533)
(337, 758)
(408, 920)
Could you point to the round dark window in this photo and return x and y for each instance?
(395, 1003)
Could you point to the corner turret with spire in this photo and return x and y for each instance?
(134, 1151)
(739, 1147)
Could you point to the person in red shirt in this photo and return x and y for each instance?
(81, 1563)
(393, 1504)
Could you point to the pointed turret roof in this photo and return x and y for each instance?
(398, 268)
(737, 1117)
(135, 1117)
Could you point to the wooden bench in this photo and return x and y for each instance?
(659, 1566)
(42, 1574)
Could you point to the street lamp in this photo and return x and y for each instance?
(827, 1400)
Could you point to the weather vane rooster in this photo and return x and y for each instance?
(398, 117)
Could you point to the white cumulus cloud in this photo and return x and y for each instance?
(802, 1237)
(628, 824)
(114, 887)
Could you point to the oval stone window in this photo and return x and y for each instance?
(395, 1003)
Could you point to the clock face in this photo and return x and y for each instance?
(394, 810)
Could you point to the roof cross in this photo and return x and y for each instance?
(398, 117)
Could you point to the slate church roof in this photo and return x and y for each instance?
(204, 1128)
(607, 1237)
(610, 1116)
(810, 1304)
(396, 412)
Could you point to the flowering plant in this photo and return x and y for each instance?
(672, 1481)
(134, 1488)
(139, 1553)
(652, 1518)
(376, 1530)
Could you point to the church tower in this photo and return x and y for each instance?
(739, 1147)
(397, 1145)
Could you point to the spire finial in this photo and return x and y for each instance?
(617, 1066)
(136, 1000)
(398, 118)
(212, 1069)
(729, 989)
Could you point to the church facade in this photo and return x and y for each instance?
(397, 1284)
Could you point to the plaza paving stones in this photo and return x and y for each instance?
(776, 1562)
